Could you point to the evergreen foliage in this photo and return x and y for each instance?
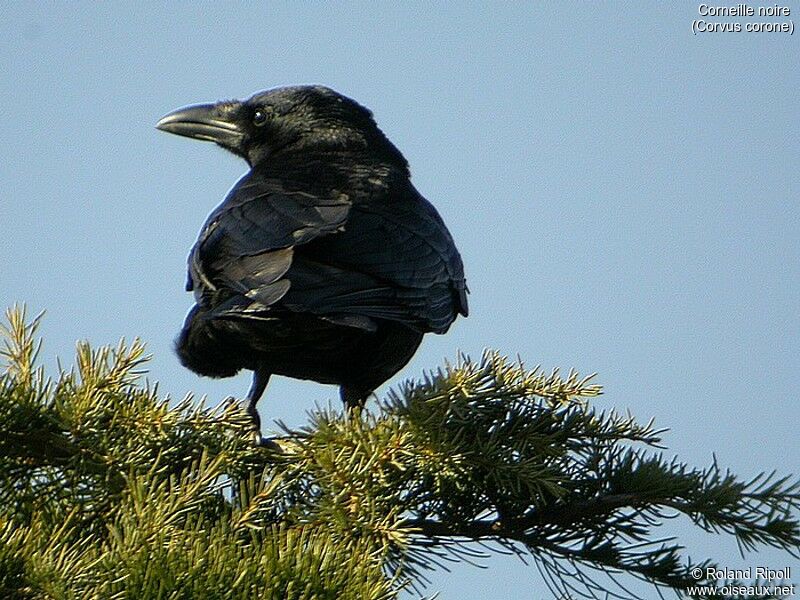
(107, 491)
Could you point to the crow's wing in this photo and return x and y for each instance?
(247, 243)
(395, 260)
(346, 262)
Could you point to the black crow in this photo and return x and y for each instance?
(323, 262)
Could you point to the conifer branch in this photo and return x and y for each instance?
(107, 490)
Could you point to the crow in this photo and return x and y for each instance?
(323, 262)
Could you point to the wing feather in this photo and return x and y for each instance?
(347, 261)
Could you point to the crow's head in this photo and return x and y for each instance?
(303, 120)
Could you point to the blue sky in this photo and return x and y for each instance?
(624, 195)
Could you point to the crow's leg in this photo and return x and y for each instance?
(260, 381)
(353, 397)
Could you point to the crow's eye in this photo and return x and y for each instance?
(259, 117)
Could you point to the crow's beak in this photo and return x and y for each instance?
(203, 122)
